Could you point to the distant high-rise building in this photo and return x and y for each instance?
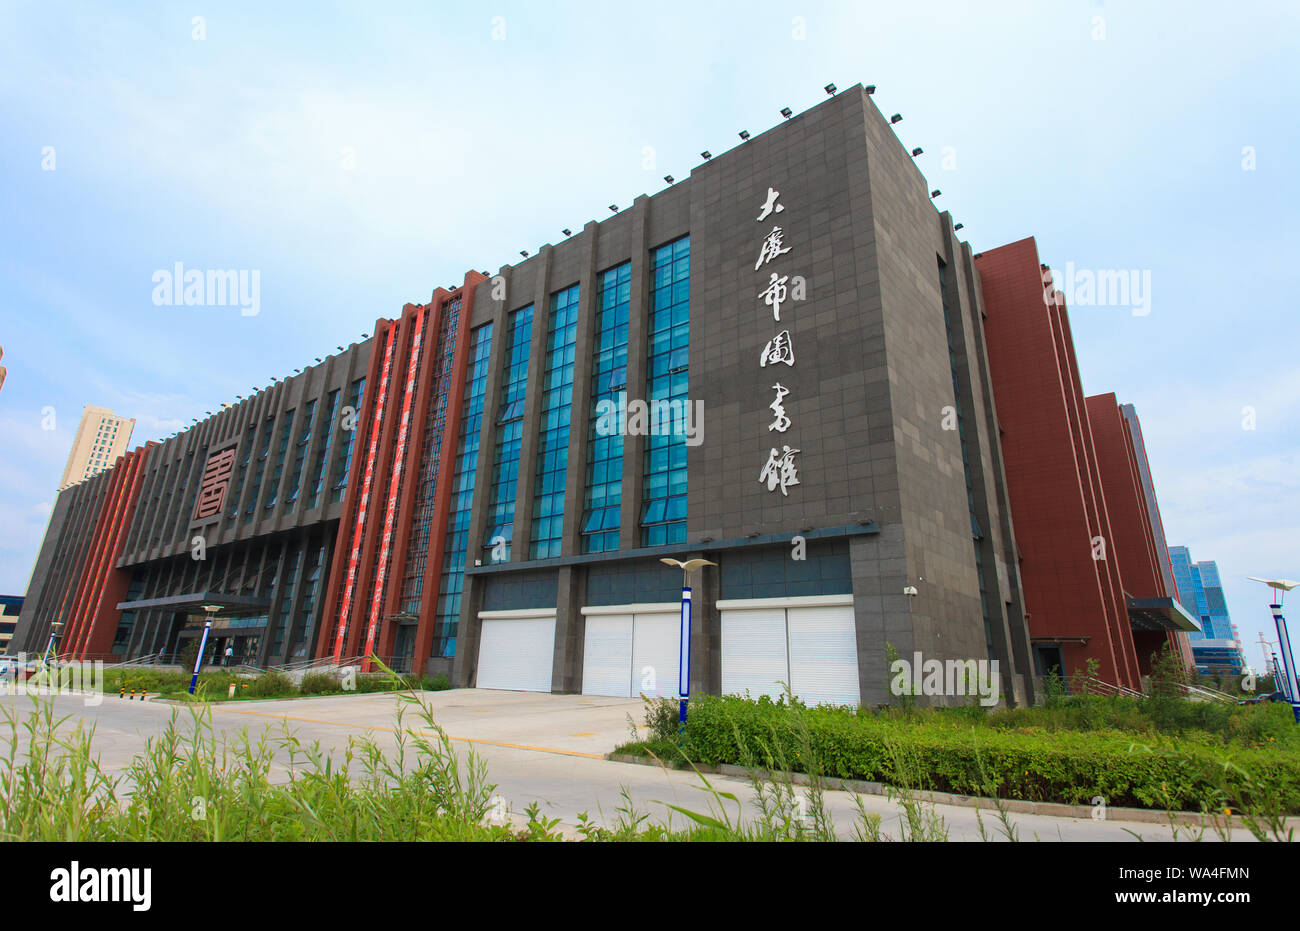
(10, 607)
(1217, 647)
(101, 437)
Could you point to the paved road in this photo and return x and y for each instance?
(538, 747)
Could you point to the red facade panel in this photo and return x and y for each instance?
(90, 615)
(1072, 584)
(113, 584)
(1134, 546)
(354, 566)
(372, 541)
(393, 482)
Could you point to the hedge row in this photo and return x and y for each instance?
(271, 684)
(1189, 773)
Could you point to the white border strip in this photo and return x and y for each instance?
(658, 607)
(515, 614)
(805, 601)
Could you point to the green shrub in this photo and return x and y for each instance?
(319, 683)
(149, 680)
(435, 683)
(270, 684)
(1249, 767)
(662, 717)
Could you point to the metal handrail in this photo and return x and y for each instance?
(1204, 691)
(322, 663)
(1109, 688)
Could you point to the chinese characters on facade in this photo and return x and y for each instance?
(781, 469)
(215, 481)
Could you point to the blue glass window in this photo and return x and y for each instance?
(462, 494)
(350, 424)
(510, 431)
(553, 433)
(322, 456)
(663, 503)
(604, 487)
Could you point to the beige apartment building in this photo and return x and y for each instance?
(101, 438)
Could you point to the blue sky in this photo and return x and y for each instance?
(359, 155)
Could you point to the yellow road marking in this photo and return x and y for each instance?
(377, 727)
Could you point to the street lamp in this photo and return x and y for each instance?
(1288, 670)
(210, 611)
(55, 629)
(684, 641)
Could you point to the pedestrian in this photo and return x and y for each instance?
(162, 654)
(230, 653)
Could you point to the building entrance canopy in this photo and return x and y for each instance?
(1159, 614)
(194, 602)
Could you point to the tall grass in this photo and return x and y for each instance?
(192, 783)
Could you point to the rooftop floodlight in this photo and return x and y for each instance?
(896, 118)
(917, 151)
(613, 208)
(935, 193)
(567, 232)
(958, 226)
(787, 112)
(744, 134)
(870, 89)
(524, 253)
(668, 178)
(706, 155)
(830, 90)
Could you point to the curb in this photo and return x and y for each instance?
(1018, 806)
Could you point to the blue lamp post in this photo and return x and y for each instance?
(684, 639)
(51, 651)
(1287, 669)
(211, 611)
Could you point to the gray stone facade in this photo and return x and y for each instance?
(872, 384)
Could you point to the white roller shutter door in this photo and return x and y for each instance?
(516, 653)
(823, 655)
(754, 657)
(607, 655)
(656, 654)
